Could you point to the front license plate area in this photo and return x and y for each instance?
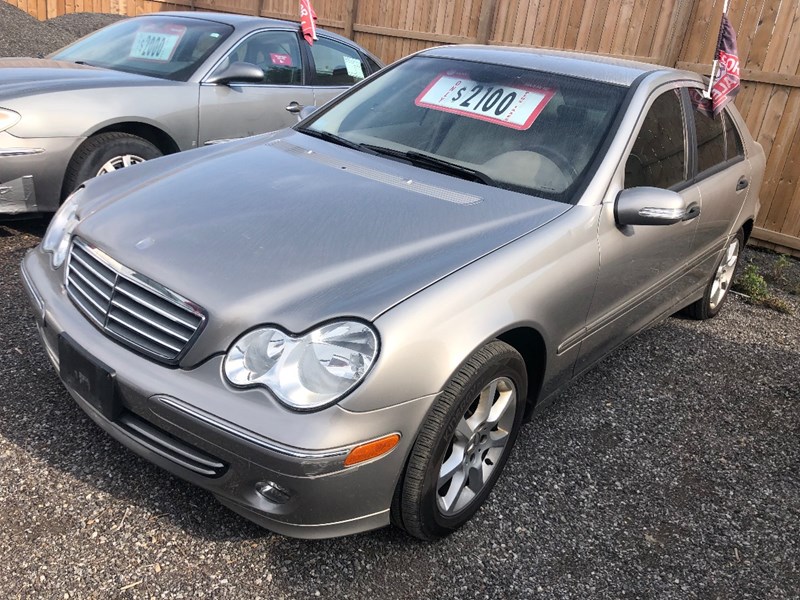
(87, 376)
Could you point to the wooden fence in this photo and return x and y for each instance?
(671, 32)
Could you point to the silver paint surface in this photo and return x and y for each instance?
(257, 235)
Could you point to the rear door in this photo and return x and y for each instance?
(241, 109)
(722, 177)
(335, 66)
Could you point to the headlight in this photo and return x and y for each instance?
(8, 118)
(306, 372)
(56, 240)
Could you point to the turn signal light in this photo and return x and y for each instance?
(371, 449)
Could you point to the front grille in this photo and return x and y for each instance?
(130, 308)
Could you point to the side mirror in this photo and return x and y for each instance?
(306, 111)
(241, 72)
(649, 206)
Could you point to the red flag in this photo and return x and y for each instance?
(725, 75)
(308, 21)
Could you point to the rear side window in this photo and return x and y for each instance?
(733, 141)
(717, 140)
(337, 64)
(658, 157)
(373, 66)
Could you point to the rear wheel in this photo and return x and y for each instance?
(463, 445)
(717, 290)
(106, 153)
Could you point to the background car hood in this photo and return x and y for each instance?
(257, 234)
(28, 76)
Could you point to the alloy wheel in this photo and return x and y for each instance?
(478, 443)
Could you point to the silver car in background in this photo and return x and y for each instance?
(154, 85)
(345, 324)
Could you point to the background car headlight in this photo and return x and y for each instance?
(56, 240)
(305, 372)
(8, 118)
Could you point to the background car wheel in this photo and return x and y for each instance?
(463, 445)
(105, 153)
(717, 291)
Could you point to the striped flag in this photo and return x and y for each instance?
(726, 79)
(724, 83)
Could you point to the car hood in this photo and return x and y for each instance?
(28, 76)
(293, 231)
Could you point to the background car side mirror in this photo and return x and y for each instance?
(650, 206)
(306, 111)
(242, 72)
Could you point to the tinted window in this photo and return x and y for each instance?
(163, 47)
(527, 131)
(710, 141)
(277, 53)
(337, 64)
(658, 157)
(733, 141)
(373, 66)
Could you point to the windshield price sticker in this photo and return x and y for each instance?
(510, 106)
(157, 43)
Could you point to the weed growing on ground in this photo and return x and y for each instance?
(752, 284)
(779, 269)
(779, 304)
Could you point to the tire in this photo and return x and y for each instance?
(99, 153)
(717, 289)
(430, 504)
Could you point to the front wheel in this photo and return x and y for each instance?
(717, 290)
(106, 153)
(463, 445)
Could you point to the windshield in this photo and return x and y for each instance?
(164, 47)
(522, 130)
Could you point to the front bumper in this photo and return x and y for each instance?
(189, 422)
(32, 172)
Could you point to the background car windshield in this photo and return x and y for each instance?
(164, 47)
(528, 131)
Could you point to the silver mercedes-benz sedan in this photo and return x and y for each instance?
(154, 85)
(345, 324)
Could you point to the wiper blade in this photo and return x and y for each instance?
(336, 139)
(434, 163)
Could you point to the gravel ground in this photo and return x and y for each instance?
(23, 35)
(671, 470)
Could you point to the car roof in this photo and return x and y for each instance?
(577, 64)
(241, 22)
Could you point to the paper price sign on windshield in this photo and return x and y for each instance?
(156, 43)
(510, 106)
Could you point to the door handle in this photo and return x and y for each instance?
(742, 184)
(692, 212)
(294, 107)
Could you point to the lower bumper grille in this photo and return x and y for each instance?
(171, 448)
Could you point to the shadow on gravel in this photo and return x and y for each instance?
(35, 226)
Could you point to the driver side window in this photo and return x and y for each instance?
(658, 156)
(276, 53)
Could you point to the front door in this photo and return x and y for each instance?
(237, 110)
(643, 268)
